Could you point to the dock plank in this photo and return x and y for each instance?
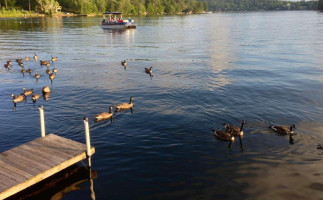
(4, 180)
(14, 158)
(36, 160)
(43, 152)
(39, 160)
(23, 166)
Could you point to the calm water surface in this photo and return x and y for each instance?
(262, 67)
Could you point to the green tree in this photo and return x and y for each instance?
(320, 5)
(47, 6)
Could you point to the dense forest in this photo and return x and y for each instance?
(320, 5)
(251, 5)
(155, 7)
(130, 7)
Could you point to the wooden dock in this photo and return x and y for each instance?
(32, 162)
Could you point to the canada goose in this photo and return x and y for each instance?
(223, 135)
(104, 115)
(21, 64)
(18, 98)
(123, 106)
(34, 97)
(27, 92)
(55, 70)
(29, 71)
(51, 77)
(124, 63)
(54, 59)
(7, 66)
(19, 60)
(149, 70)
(236, 131)
(48, 71)
(46, 89)
(44, 62)
(9, 62)
(37, 76)
(283, 130)
(27, 58)
(35, 57)
(46, 96)
(23, 71)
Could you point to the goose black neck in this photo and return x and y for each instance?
(241, 128)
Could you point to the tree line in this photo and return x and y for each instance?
(253, 5)
(128, 7)
(156, 7)
(320, 5)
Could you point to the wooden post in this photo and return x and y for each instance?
(42, 121)
(87, 138)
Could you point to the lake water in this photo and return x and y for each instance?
(261, 67)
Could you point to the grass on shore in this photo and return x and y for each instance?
(16, 13)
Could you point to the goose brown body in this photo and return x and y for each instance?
(46, 89)
(125, 105)
(104, 115)
(124, 63)
(18, 98)
(223, 135)
(149, 70)
(54, 59)
(35, 57)
(44, 62)
(37, 76)
(283, 130)
(236, 131)
(55, 70)
(27, 92)
(35, 97)
(51, 76)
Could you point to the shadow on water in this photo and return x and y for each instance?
(58, 185)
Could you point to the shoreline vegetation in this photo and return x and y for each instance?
(41, 8)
